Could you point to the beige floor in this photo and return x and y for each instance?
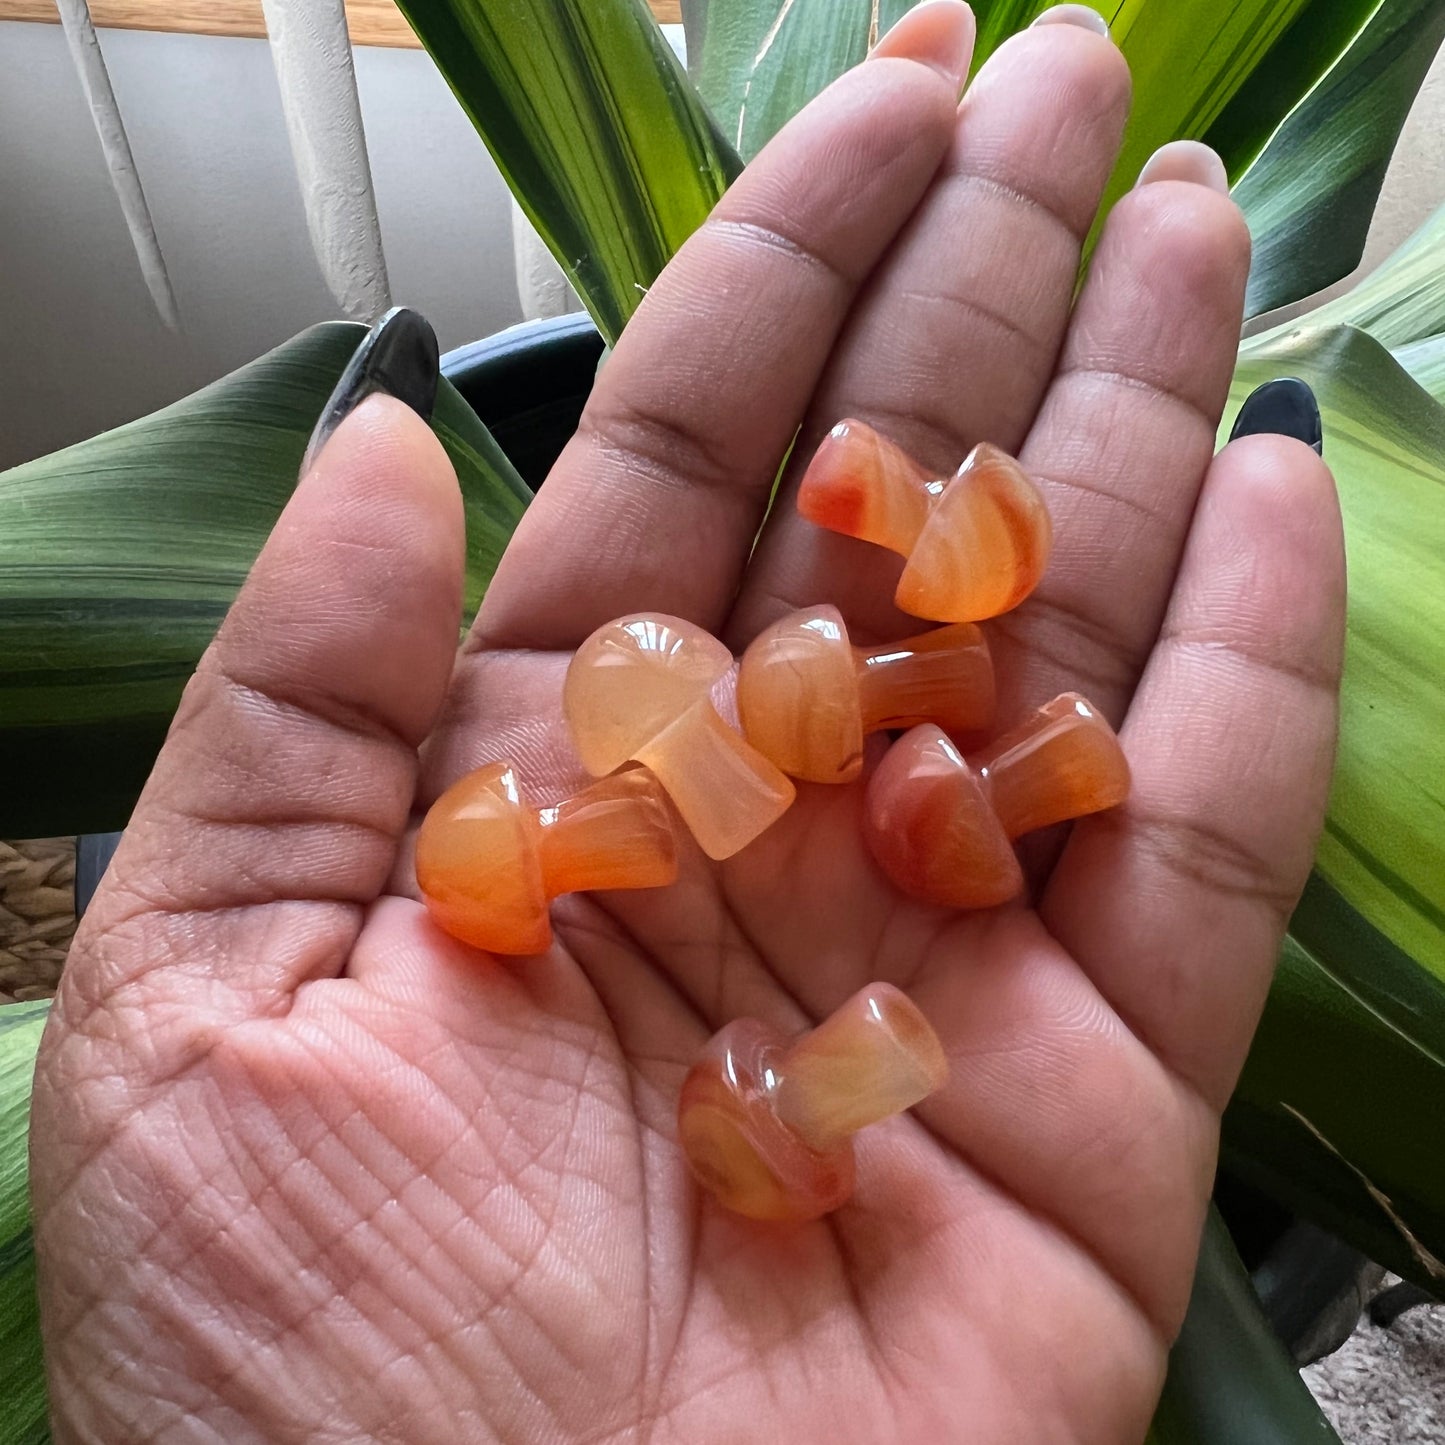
(1387, 1386)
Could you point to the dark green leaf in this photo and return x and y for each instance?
(1311, 194)
(1338, 1111)
(119, 557)
(1230, 1381)
(595, 126)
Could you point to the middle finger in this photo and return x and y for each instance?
(955, 338)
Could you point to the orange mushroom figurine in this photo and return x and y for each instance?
(807, 697)
(640, 689)
(942, 826)
(767, 1126)
(976, 543)
(488, 863)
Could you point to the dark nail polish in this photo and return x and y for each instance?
(398, 358)
(1285, 407)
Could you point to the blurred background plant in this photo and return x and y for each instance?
(119, 555)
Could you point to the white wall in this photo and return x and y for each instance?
(81, 348)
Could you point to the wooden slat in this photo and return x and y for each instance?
(372, 22)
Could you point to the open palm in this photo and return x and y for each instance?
(306, 1170)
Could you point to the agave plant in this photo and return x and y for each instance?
(119, 556)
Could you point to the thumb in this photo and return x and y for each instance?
(273, 812)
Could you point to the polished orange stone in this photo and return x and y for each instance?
(941, 826)
(640, 689)
(767, 1126)
(807, 697)
(976, 543)
(488, 863)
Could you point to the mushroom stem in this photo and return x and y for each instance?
(943, 677)
(726, 791)
(874, 1057)
(614, 834)
(1062, 763)
(861, 484)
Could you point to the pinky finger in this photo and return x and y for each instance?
(1175, 904)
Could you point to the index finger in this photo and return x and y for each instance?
(655, 502)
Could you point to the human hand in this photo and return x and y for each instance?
(305, 1169)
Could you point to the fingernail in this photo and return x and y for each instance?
(1186, 160)
(398, 358)
(936, 33)
(1079, 15)
(1283, 407)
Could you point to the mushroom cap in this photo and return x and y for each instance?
(984, 547)
(631, 679)
(931, 826)
(477, 864)
(738, 1148)
(1063, 762)
(798, 697)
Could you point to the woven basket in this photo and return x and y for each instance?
(37, 915)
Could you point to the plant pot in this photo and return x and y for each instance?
(529, 385)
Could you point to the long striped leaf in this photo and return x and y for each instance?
(22, 1376)
(1384, 845)
(1339, 1108)
(1310, 196)
(593, 122)
(119, 556)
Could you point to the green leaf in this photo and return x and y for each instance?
(1230, 1381)
(1310, 196)
(1384, 843)
(1194, 62)
(1345, 1084)
(119, 557)
(22, 1374)
(595, 126)
(758, 64)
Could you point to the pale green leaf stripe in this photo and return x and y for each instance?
(1401, 301)
(1311, 194)
(1384, 844)
(595, 126)
(22, 1376)
(1425, 361)
(759, 64)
